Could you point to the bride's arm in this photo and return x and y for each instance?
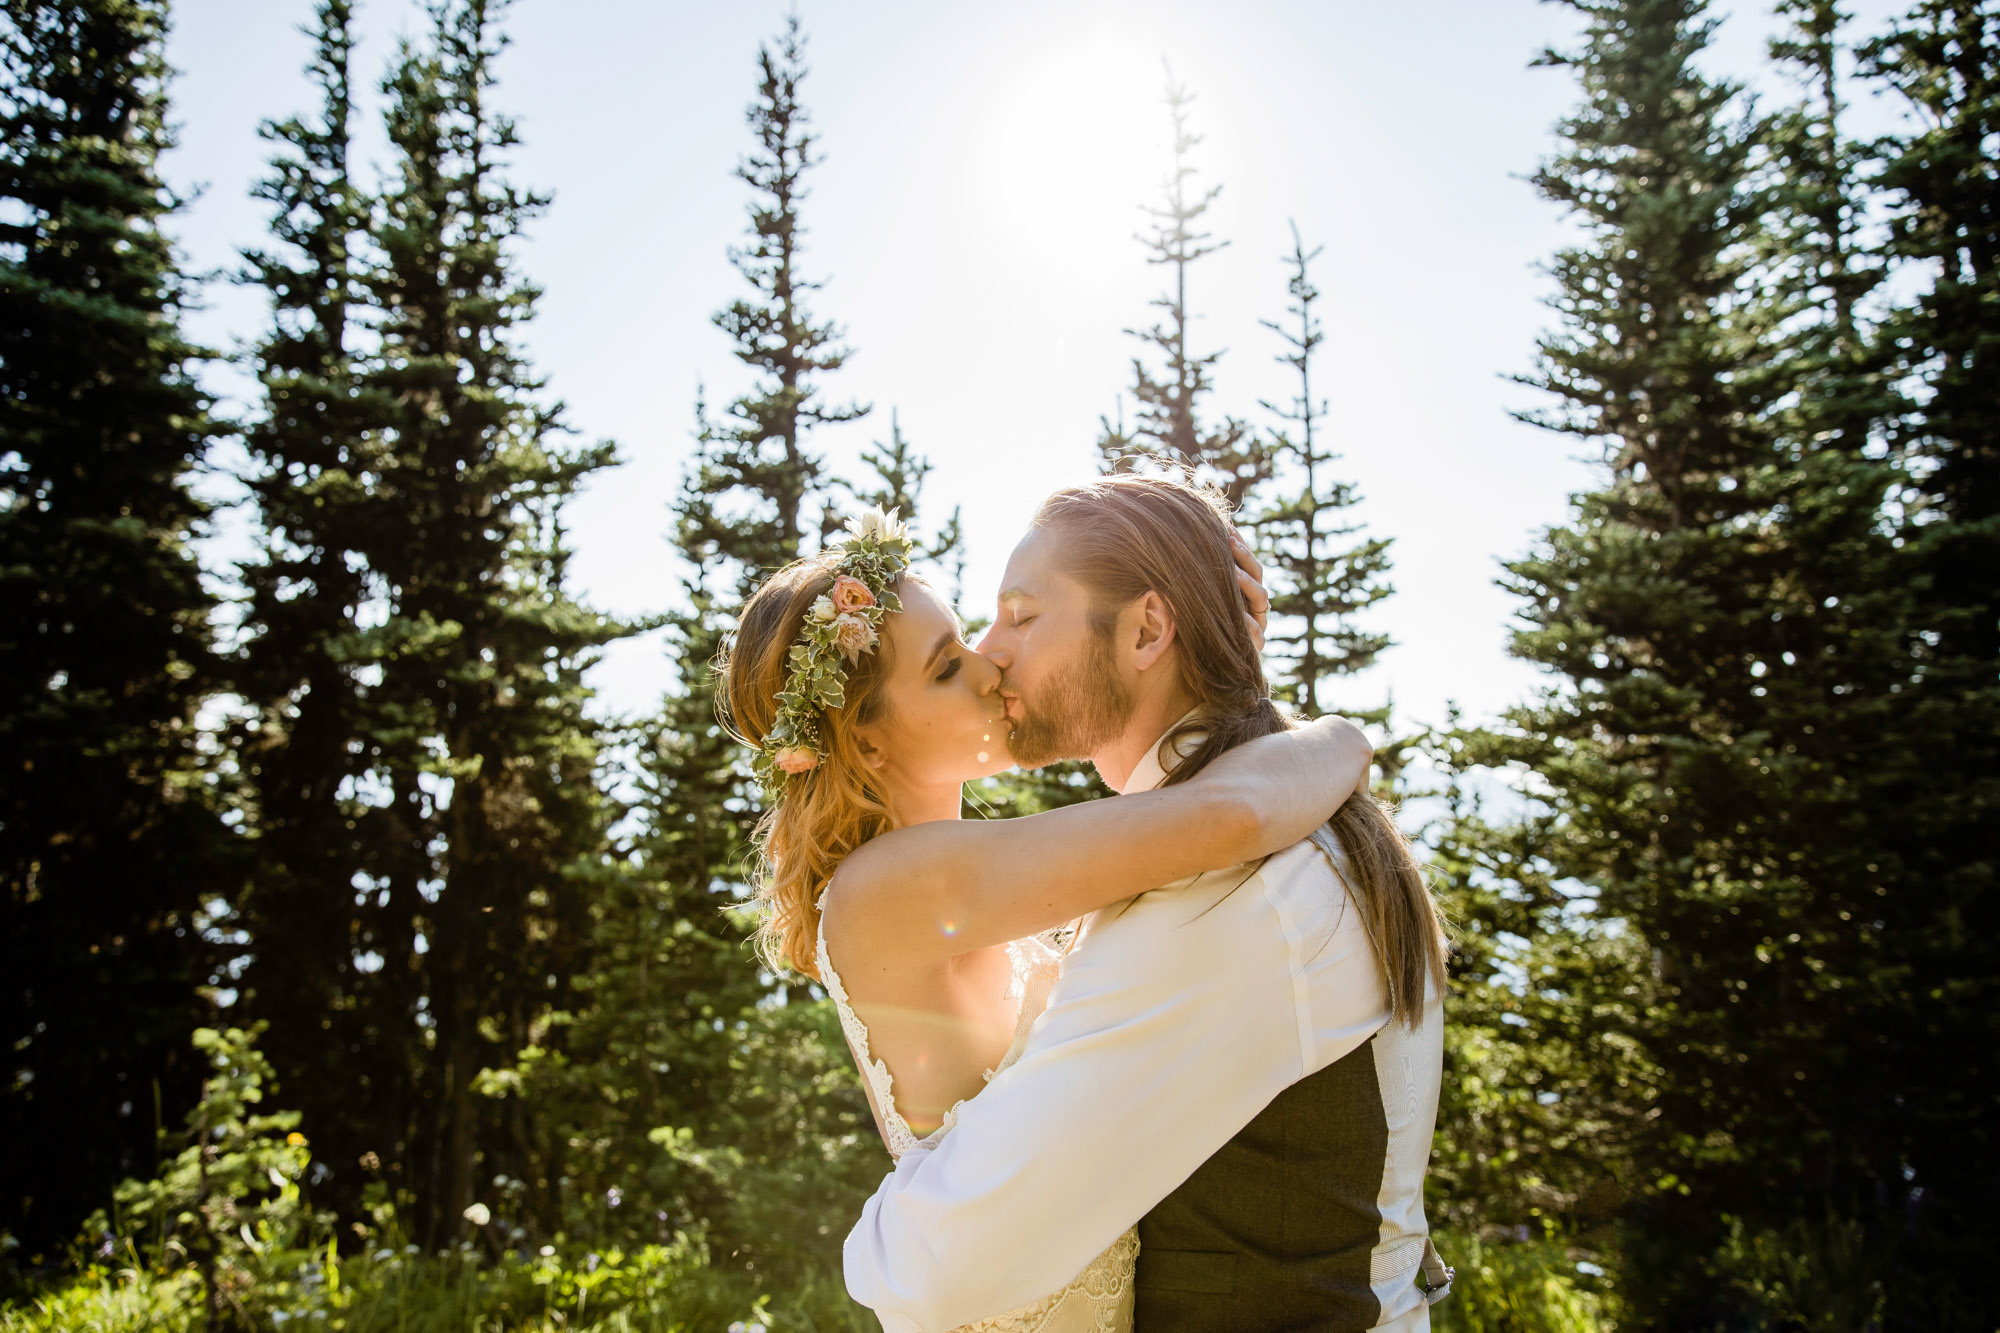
(955, 885)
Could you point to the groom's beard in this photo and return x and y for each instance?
(1082, 707)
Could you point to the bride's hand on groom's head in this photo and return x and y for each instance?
(1250, 578)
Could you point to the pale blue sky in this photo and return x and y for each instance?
(974, 221)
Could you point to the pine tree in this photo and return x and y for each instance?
(1547, 1092)
(744, 509)
(1714, 695)
(1731, 749)
(1170, 434)
(765, 452)
(304, 750)
(1315, 587)
(485, 822)
(702, 1094)
(110, 845)
(1940, 808)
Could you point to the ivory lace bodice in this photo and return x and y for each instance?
(1097, 1300)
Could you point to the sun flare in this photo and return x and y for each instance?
(1076, 140)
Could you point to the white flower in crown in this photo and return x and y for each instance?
(876, 527)
(853, 636)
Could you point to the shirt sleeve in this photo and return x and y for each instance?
(1181, 1016)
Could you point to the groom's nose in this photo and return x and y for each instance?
(992, 646)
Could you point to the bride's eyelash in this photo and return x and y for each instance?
(950, 670)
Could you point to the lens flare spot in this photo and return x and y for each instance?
(981, 756)
(948, 928)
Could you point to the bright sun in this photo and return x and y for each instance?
(1077, 141)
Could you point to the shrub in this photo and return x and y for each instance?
(1531, 1286)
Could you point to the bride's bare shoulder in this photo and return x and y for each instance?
(879, 886)
(853, 897)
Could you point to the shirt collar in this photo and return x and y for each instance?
(1148, 773)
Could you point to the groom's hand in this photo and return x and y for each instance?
(1250, 578)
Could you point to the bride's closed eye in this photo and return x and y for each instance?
(950, 670)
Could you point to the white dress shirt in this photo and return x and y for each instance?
(1179, 1016)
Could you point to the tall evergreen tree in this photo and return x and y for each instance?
(110, 845)
(1944, 201)
(701, 1093)
(304, 750)
(1547, 1095)
(1170, 433)
(1316, 587)
(763, 435)
(746, 506)
(1729, 630)
(474, 802)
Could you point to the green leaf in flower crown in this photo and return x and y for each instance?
(891, 602)
(833, 694)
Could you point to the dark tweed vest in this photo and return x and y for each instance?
(1277, 1230)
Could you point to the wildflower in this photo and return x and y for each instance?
(296, 1139)
(479, 1214)
(851, 594)
(614, 1196)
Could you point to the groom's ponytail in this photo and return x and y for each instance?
(1124, 536)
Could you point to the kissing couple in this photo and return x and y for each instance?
(1168, 1061)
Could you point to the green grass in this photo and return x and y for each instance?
(659, 1289)
(1509, 1287)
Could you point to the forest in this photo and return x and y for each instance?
(359, 971)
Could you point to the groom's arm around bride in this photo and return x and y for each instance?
(1244, 1064)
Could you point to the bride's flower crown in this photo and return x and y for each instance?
(842, 624)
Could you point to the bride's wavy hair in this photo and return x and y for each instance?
(824, 813)
(1124, 536)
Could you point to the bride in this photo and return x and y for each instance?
(851, 679)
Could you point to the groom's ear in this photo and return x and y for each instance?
(1154, 625)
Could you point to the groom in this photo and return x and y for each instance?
(1218, 1062)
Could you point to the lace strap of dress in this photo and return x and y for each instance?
(900, 1137)
(1035, 967)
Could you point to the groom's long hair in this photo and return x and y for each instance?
(1124, 536)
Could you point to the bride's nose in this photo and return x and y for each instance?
(987, 673)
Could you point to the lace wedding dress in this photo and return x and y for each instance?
(1097, 1300)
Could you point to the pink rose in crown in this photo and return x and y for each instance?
(853, 636)
(796, 759)
(851, 594)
